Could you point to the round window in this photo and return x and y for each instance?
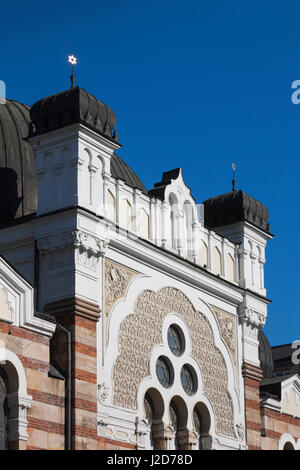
(164, 371)
(175, 340)
(188, 380)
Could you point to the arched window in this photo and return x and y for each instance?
(154, 410)
(3, 410)
(203, 255)
(111, 206)
(178, 417)
(230, 267)
(288, 446)
(188, 219)
(201, 422)
(144, 224)
(126, 215)
(173, 221)
(216, 261)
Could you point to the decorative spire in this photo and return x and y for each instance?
(233, 179)
(72, 59)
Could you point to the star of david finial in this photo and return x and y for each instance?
(73, 61)
(233, 180)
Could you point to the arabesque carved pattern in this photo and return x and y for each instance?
(228, 330)
(141, 331)
(117, 279)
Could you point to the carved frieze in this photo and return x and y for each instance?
(142, 330)
(60, 248)
(227, 326)
(251, 320)
(117, 279)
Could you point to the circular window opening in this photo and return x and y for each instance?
(188, 380)
(176, 340)
(164, 371)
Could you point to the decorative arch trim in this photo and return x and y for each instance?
(141, 331)
(18, 399)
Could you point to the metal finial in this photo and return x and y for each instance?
(233, 179)
(72, 59)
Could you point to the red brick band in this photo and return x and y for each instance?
(44, 425)
(49, 398)
(34, 364)
(23, 333)
(85, 349)
(85, 376)
(84, 405)
(105, 443)
(84, 431)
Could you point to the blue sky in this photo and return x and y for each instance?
(196, 84)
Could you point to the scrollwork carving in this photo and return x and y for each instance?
(117, 279)
(140, 331)
(227, 326)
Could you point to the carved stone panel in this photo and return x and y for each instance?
(117, 279)
(142, 330)
(227, 326)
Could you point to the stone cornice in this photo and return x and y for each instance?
(251, 371)
(73, 307)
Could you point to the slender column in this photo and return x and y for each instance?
(180, 241)
(164, 228)
(186, 439)
(162, 435)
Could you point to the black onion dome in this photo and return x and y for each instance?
(235, 206)
(265, 355)
(120, 170)
(73, 106)
(18, 183)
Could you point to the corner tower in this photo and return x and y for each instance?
(244, 220)
(74, 137)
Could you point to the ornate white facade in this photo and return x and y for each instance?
(149, 262)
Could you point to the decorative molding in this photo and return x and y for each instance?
(117, 279)
(142, 330)
(18, 406)
(240, 430)
(251, 371)
(102, 425)
(88, 248)
(227, 326)
(161, 435)
(102, 392)
(251, 321)
(6, 310)
(74, 307)
(187, 439)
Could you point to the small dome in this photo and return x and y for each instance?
(73, 106)
(120, 170)
(18, 184)
(233, 207)
(18, 181)
(265, 355)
